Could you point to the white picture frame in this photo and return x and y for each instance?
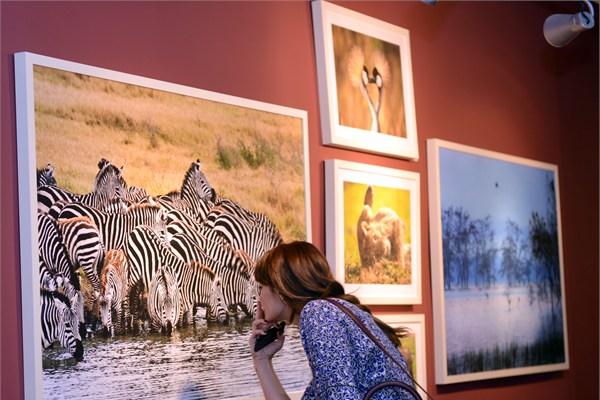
(377, 114)
(498, 301)
(345, 184)
(415, 323)
(25, 64)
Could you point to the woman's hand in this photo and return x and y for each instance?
(259, 328)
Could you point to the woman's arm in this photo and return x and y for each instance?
(330, 352)
(269, 382)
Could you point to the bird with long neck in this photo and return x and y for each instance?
(362, 78)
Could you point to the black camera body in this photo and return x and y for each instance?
(270, 336)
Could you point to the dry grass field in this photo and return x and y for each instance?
(253, 157)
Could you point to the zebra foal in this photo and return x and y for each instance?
(112, 297)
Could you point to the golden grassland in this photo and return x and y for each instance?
(253, 157)
(383, 271)
(353, 109)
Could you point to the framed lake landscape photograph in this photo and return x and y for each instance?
(143, 207)
(413, 344)
(365, 82)
(373, 231)
(496, 264)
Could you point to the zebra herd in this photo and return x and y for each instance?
(150, 261)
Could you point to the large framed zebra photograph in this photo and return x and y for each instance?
(365, 78)
(497, 272)
(144, 206)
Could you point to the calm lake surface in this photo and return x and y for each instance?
(205, 362)
(481, 319)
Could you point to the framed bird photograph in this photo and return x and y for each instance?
(143, 208)
(373, 231)
(365, 82)
(497, 271)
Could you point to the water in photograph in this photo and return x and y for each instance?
(206, 362)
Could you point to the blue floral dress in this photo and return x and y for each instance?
(345, 363)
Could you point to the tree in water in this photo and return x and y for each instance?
(543, 238)
(514, 255)
(483, 239)
(457, 233)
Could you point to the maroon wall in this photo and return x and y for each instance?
(483, 76)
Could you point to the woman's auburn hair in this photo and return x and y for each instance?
(299, 273)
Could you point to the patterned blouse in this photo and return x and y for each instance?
(345, 363)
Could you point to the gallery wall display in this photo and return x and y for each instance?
(137, 179)
(365, 82)
(496, 264)
(373, 231)
(413, 344)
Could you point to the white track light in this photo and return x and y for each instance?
(561, 29)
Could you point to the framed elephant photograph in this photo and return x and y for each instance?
(365, 82)
(497, 270)
(143, 207)
(373, 231)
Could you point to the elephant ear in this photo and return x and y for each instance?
(369, 197)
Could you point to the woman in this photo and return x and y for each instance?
(294, 279)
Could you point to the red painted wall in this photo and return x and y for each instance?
(483, 76)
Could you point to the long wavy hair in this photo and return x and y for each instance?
(299, 273)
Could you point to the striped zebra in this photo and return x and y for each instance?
(45, 176)
(234, 267)
(84, 246)
(59, 322)
(131, 194)
(114, 228)
(164, 301)
(196, 196)
(113, 298)
(107, 186)
(48, 280)
(53, 254)
(146, 253)
(254, 239)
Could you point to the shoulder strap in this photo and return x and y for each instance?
(376, 340)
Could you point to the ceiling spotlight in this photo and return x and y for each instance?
(561, 29)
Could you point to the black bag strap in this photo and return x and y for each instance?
(376, 340)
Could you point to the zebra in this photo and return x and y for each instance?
(254, 239)
(52, 251)
(114, 228)
(113, 283)
(234, 267)
(196, 241)
(107, 186)
(197, 195)
(131, 194)
(48, 280)
(56, 266)
(59, 322)
(146, 253)
(45, 176)
(164, 301)
(200, 286)
(84, 247)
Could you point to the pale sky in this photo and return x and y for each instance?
(485, 186)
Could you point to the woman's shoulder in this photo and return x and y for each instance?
(322, 309)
